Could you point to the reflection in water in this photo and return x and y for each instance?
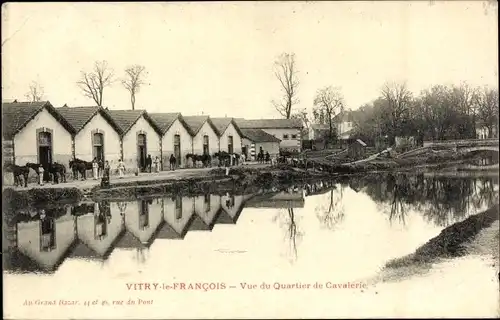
(40, 239)
(442, 200)
(331, 213)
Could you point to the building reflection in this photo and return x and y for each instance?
(43, 238)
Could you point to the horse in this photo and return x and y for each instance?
(58, 169)
(18, 172)
(81, 166)
(55, 169)
(204, 159)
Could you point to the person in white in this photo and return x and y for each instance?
(40, 175)
(121, 168)
(157, 164)
(95, 169)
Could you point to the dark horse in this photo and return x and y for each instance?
(204, 159)
(55, 170)
(80, 166)
(18, 172)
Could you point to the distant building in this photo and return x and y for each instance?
(345, 126)
(256, 139)
(287, 130)
(357, 149)
(35, 132)
(205, 136)
(140, 137)
(176, 138)
(318, 131)
(483, 132)
(229, 135)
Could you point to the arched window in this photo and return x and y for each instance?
(205, 145)
(98, 146)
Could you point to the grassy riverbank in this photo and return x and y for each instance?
(477, 234)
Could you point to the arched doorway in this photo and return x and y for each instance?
(44, 142)
(98, 146)
(142, 151)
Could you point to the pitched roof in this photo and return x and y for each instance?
(125, 119)
(258, 135)
(361, 142)
(165, 120)
(17, 115)
(222, 123)
(319, 126)
(78, 117)
(269, 123)
(195, 123)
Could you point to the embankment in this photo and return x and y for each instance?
(456, 240)
(241, 180)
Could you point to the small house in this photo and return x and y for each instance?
(230, 135)
(205, 136)
(357, 149)
(287, 130)
(96, 134)
(140, 137)
(256, 139)
(35, 132)
(176, 138)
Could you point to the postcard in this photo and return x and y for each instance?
(189, 160)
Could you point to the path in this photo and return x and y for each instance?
(162, 175)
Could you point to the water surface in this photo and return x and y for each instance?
(327, 232)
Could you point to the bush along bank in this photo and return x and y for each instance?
(16, 199)
(450, 242)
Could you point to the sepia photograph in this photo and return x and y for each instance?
(250, 160)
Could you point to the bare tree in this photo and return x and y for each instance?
(303, 116)
(94, 82)
(286, 73)
(329, 102)
(133, 81)
(398, 101)
(487, 103)
(35, 92)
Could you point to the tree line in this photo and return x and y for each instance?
(440, 112)
(93, 83)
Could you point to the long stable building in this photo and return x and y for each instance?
(39, 133)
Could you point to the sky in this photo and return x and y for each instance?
(216, 58)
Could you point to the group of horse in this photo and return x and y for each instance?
(205, 160)
(54, 172)
(51, 171)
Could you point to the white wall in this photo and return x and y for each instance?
(130, 143)
(238, 202)
(168, 144)
(132, 220)
(289, 143)
(85, 226)
(25, 142)
(179, 225)
(230, 131)
(28, 235)
(213, 139)
(203, 211)
(83, 141)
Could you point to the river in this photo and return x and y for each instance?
(301, 241)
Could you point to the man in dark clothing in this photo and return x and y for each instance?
(149, 163)
(172, 162)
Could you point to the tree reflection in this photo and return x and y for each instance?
(293, 235)
(332, 215)
(443, 200)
